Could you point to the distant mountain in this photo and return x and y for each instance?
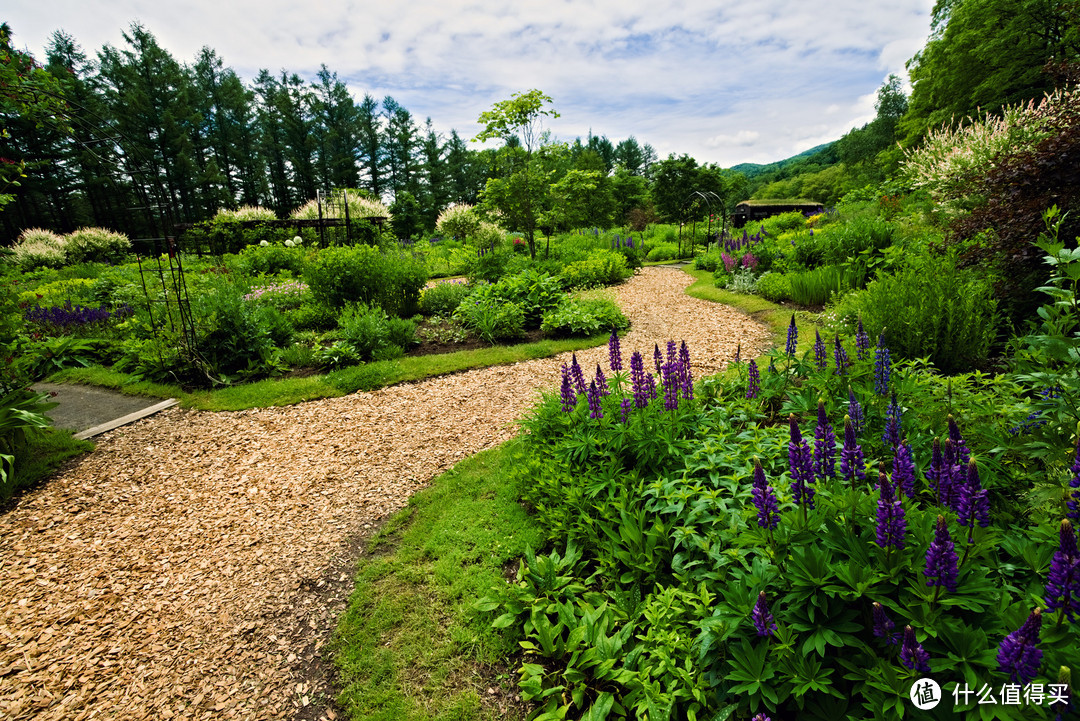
(752, 170)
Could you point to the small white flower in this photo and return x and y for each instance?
(263, 243)
(289, 244)
(298, 240)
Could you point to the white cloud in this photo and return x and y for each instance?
(688, 78)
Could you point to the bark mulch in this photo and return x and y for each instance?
(194, 564)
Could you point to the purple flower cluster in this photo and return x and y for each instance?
(601, 382)
(593, 395)
(625, 406)
(972, 500)
(576, 375)
(891, 436)
(824, 446)
(1018, 655)
(912, 654)
(941, 560)
(891, 521)
(801, 464)
(614, 352)
(749, 261)
(64, 318)
(882, 367)
(763, 621)
(768, 509)
(728, 261)
(852, 465)
(819, 352)
(855, 410)
(753, 384)
(883, 625)
(1063, 583)
(639, 384)
(569, 397)
(903, 471)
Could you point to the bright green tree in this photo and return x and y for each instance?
(519, 196)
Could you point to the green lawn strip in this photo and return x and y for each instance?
(46, 449)
(411, 644)
(366, 377)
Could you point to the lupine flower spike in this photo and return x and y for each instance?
(852, 465)
(883, 625)
(625, 406)
(685, 375)
(936, 469)
(658, 359)
(601, 382)
(802, 467)
(569, 397)
(1063, 583)
(593, 396)
(912, 654)
(840, 357)
(891, 435)
(738, 353)
(637, 381)
(819, 352)
(941, 561)
(882, 367)
(1018, 654)
(753, 385)
(963, 455)
(576, 375)
(1073, 503)
(862, 342)
(824, 446)
(855, 411)
(764, 499)
(903, 470)
(670, 380)
(792, 337)
(764, 623)
(973, 501)
(614, 352)
(891, 521)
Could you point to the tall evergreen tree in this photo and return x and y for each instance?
(372, 146)
(339, 143)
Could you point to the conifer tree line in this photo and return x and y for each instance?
(150, 141)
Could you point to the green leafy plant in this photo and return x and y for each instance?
(585, 317)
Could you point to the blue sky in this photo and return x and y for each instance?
(726, 82)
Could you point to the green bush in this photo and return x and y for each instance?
(363, 274)
(708, 261)
(313, 315)
(443, 298)
(601, 267)
(584, 317)
(491, 318)
(375, 335)
(235, 337)
(783, 222)
(774, 286)
(929, 308)
(663, 251)
(270, 259)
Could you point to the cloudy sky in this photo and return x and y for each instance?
(724, 81)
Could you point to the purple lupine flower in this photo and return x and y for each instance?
(624, 409)
(936, 470)
(569, 397)
(855, 410)
(862, 342)
(792, 337)
(650, 384)
(657, 358)
(685, 375)
(670, 381)
(802, 466)
(891, 521)
(963, 455)
(614, 353)
(883, 625)
(882, 367)
(840, 357)
(764, 623)
(738, 353)
(941, 559)
(1018, 656)
(891, 436)
(852, 465)
(753, 385)
(1063, 583)
(819, 352)
(601, 382)
(903, 470)
(1073, 503)
(973, 501)
(953, 477)
(824, 446)
(637, 380)
(768, 509)
(577, 376)
(912, 654)
(593, 395)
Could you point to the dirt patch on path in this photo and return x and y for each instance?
(193, 565)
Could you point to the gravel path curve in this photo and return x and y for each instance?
(193, 564)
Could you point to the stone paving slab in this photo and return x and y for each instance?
(89, 410)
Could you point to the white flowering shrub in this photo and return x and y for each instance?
(39, 248)
(246, 212)
(359, 207)
(458, 221)
(97, 245)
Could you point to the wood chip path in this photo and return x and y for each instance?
(192, 566)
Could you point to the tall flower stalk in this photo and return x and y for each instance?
(768, 509)
(753, 381)
(840, 357)
(792, 338)
(941, 560)
(882, 367)
(801, 464)
(1063, 582)
(820, 359)
(862, 342)
(763, 620)
(1018, 654)
(824, 446)
(891, 521)
(852, 464)
(912, 655)
(1073, 504)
